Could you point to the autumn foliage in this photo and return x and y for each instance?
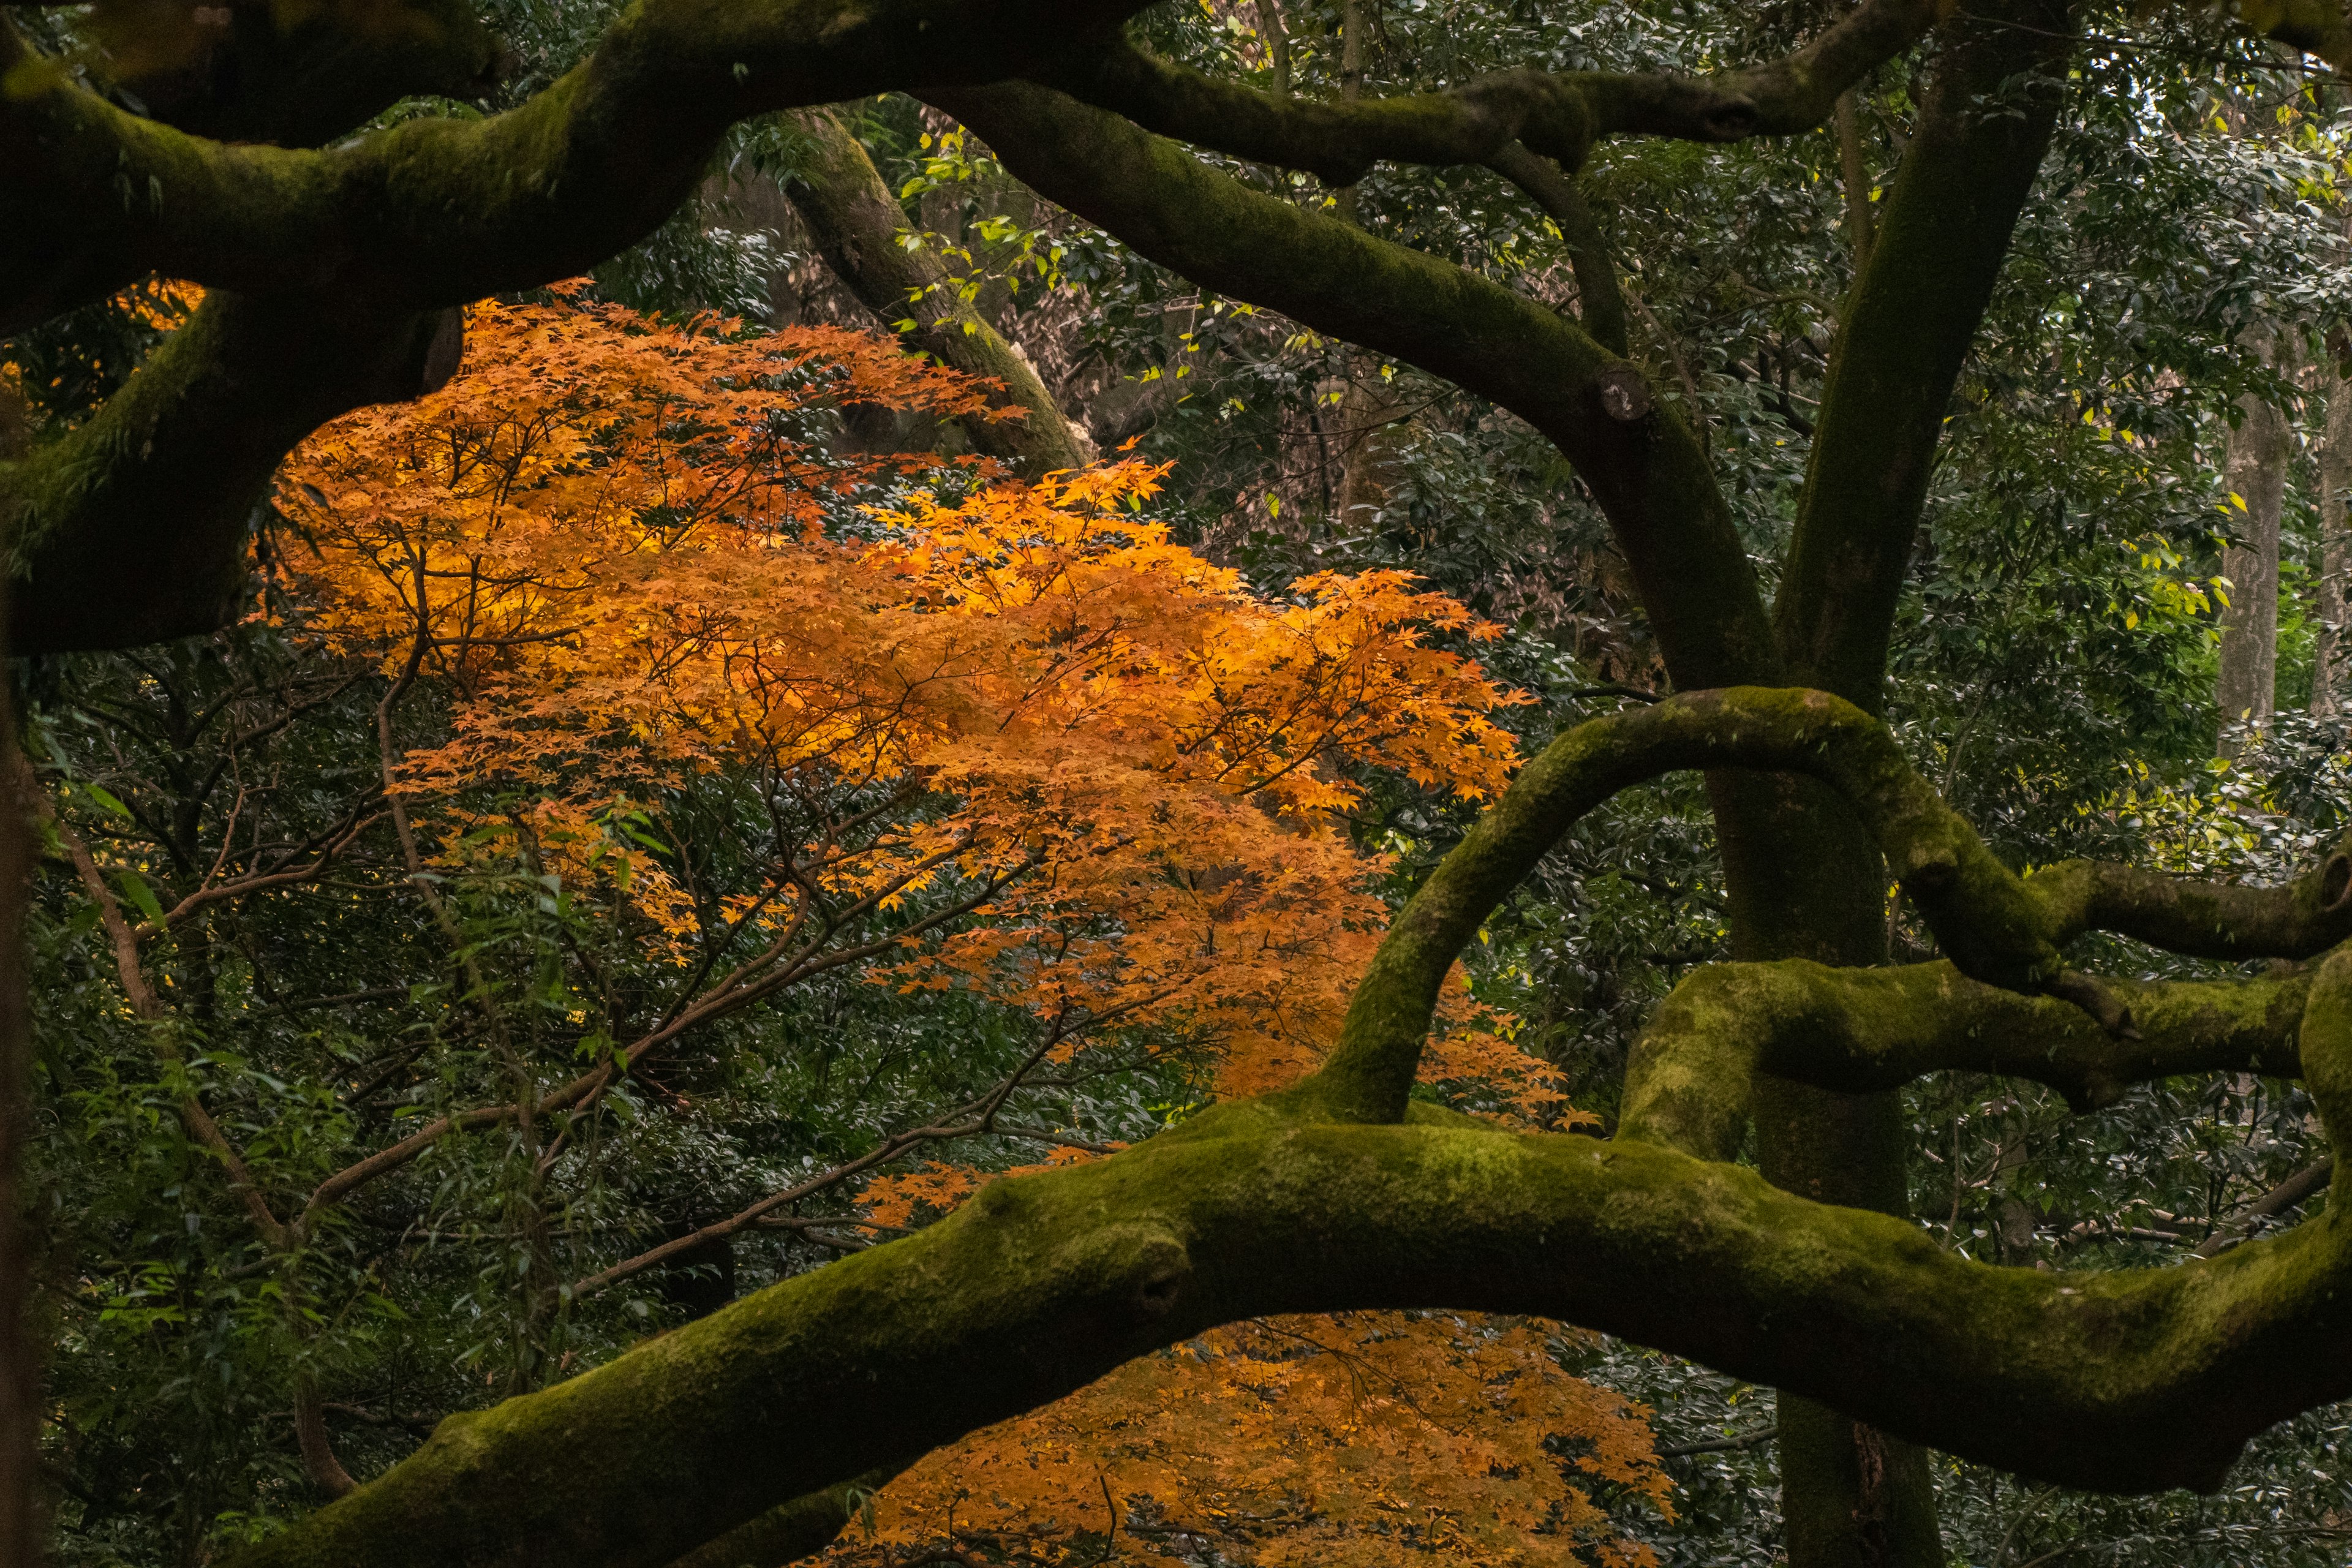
(615, 546)
(629, 556)
(1356, 1439)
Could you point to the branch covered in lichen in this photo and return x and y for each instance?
(1996, 928)
(1560, 114)
(1853, 1030)
(2132, 1380)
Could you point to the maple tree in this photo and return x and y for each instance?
(1015, 744)
(336, 271)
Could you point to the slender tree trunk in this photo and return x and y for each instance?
(20, 1361)
(1855, 176)
(1277, 44)
(2254, 467)
(855, 222)
(2331, 673)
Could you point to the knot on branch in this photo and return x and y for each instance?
(1138, 1272)
(1624, 393)
(2335, 883)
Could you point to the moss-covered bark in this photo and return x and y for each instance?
(133, 527)
(1999, 929)
(856, 224)
(1556, 115)
(294, 75)
(1638, 454)
(2129, 1380)
(1688, 1083)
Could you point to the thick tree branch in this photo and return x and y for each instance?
(1688, 1081)
(437, 212)
(1904, 334)
(132, 529)
(2123, 1380)
(1559, 115)
(294, 75)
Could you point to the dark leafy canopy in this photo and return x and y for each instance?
(2029, 609)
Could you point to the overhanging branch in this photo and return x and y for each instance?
(2132, 1380)
(132, 529)
(1559, 115)
(1996, 928)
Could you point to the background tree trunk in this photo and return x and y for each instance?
(2331, 672)
(2254, 467)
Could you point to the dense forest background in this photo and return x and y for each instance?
(2150, 445)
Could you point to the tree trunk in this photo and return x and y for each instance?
(2254, 467)
(20, 1359)
(2331, 673)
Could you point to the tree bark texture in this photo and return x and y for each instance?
(2254, 463)
(2331, 672)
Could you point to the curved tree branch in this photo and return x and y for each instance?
(1559, 115)
(1997, 927)
(169, 472)
(294, 75)
(437, 213)
(1635, 451)
(2124, 1381)
(1687, 1080)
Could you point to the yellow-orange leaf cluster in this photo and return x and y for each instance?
(1365, 1438)
(627, 553)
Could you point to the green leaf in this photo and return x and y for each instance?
(142, 897)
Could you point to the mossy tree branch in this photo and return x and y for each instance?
(296, 75)
(1559, 115)
(1997, 927)
(440, 212)
(2129, 1380)
(1687, 1080)
(2124, 1380)
(856, 224)
(1635, 451)
(132, 529)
